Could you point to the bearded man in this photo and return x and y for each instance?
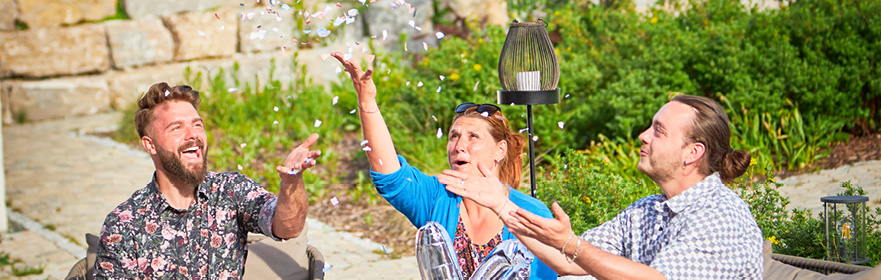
(188, 222)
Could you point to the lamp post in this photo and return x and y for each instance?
(529, 73)
(846, 228)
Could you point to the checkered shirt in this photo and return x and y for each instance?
(705, 232)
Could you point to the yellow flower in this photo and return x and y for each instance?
(586, 199)
(477, 67)
(480, 40)
(774, 240)
(556, 13)
(556, 51)
(654, 20)
(454, 76)
(752, 161)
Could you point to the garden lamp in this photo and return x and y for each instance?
(846, 228)
(529, 73)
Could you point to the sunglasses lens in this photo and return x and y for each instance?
(464, 107)
(488, 108)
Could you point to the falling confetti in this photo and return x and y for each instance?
(560, 124)
(327, 267)
(322, 32)
(367, 149)
(167, 93)
(335, 100)
(232, 89)
(405, 46)
(567, 96)
(440, 133)
(407, 83)
(275, 108)
(324, 56)
(275, 123)
(523, 130)
(475, 85)
(425, 45)
(201, 33)
(353, 111)
(222, 27)
(240, 167)
(440, 35)
(484, 114)
(347, 56)
(339, 70)
(380, 161)
(535, 138)
(438, 89)
(339, 21)
(317, 123)
(384, 35)
(442, 77)
(293, 172)
(243, 145)
(353, 12)
(334, 201)
(433, 117)
(419, 84)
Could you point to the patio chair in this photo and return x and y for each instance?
(779, 266)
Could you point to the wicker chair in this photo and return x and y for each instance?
(820, 266)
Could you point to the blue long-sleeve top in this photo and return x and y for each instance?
(422, 199)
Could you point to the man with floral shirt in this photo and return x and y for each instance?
(188, 222)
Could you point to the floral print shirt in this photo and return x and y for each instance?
(147, 238)
(470, 255)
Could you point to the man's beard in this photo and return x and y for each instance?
(662, 167)
(172, 163)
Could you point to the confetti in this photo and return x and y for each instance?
(293, 172)
(275, 123)
(383, 248)
(335, 100)
(339, 5)
(565, 166)
(412, 23)
(440, 133)
(350, 20)
(438, 89)
(275, 108)
(353, 111)
(364, 143)
(419, 84)
(560, 124)
(442, 77)
(363, 2)
(243, 145)
(339, 70)
(327, 267)
(433, 117)
(339, 21)
(353, 12)
(370, 58)
(407, 83)
(380, 161)
(523, 130)
(440, 35)
(307, 31)
(240, 167)
(567, 96)
(322, 32)
(251, 15)
(425, 45)
(308, 160)
(384, 35)
(475, 85)
(484, 114)
(367, 149)
(324, 56)
(535, 138)
(317, 123)
(222, 27)
(405, 46)
(347, 56)
(334, 201)
(167, 93)
(215, 15)
(232, 89)
(201, 33)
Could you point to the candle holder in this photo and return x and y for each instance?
(529, 73)
(846, 228)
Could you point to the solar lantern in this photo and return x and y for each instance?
(846, 223)
(529, 73)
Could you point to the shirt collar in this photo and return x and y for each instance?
(203, 191)
(694, 194)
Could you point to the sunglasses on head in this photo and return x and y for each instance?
(481, 108)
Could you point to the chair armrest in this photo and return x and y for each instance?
(821, 266)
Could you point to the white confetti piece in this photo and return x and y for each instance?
(535, 138)
(307, 31)
(440, 133)
(567, 96)
(523, 130)
(240, 167)
(317, 123)
(275, 29)
(201, 33)
(322, 32)
(222, 27)
(353, 12)
(308, 160)
(440, 35)
(339, 70)
(367, 149)
(442, 77)
(370, 58)
(405, 46)
(384, 35)
(363, 2)
(327, 267)
(475, 85)
(565, 166)
(334, 201)
(484, 114)
(251, 15)
(419, 84)
(412, 23)
(275, 108)
(324, 56)
(293, 172)
(560, 124)
(438, 89)
(380, 161)
(347, 56)
(232, 89)
(425, 45)
(167, 93)
(364, 143)
(350, 20)
(433, 117)
(243, 145)
(275, 123)
(353, 111)
(407, 83)
(335, 100)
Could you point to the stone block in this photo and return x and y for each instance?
(394, 19)
(7, 14)
(264, 31)
(254, 68)
(157, 8)
(56, 98)
(51, 13)
(205, 34)
(46, 52)
(493, 12)
(139, 42)
(126, 86)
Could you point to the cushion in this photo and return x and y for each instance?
(91, 252)
(270, 259)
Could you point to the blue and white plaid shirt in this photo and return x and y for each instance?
(705, 232)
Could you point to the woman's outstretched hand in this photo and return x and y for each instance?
(486, 190)
(363, 81)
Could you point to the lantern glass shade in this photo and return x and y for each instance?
(528, 66)
(846, 223)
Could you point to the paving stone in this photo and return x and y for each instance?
(52, 13)
(8, 10)
(42, 52)
(203, 34)
(139, 42)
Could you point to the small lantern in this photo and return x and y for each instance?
(846, 228)
(529, 73)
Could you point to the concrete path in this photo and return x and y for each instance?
(61, 182)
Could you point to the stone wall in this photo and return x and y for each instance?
(61, 58)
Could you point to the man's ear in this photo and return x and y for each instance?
(695, 152)
(147, 142)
